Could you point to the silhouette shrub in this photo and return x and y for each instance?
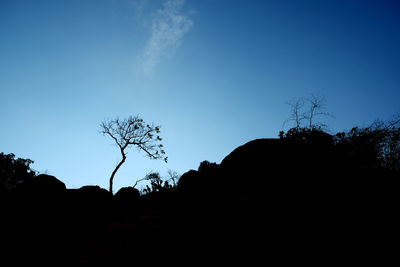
(14, 171)
(157, 184)
(376, 146)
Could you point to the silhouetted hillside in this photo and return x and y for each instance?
(297, 199)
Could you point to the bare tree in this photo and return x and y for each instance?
(317, 107)
(133, 131)
(296, 114)
(300, 114)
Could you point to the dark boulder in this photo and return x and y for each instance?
(42, 184)
(36, 218)
(42, 193)
(190, 181)
(49, 183)
(94, 191)
(264, 163)
(126, 203)
(89, 204)
(127, 195)
(277, 156)
(89, 196)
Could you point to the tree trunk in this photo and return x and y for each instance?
(115, 171)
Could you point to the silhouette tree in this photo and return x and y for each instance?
(173, 176)
(133, 131)
(299, 113)
(296, 114)
(317, 107)
(14, 171)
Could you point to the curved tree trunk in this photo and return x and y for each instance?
(115, 171)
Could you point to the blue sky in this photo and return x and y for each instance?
(213, 73)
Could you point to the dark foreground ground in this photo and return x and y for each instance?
(268, 202)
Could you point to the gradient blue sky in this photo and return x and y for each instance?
(214, 73)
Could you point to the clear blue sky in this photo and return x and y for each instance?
(215, 74)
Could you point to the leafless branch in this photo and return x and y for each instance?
(296, 114)
(316, 107)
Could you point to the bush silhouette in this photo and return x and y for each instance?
(375, 146)
(157, 184)
(14, 171)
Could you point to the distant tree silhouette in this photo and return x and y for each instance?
(173, 176)
(296, 114)
(156, 181)
(300, 117)
(133, 131)
(317, 107)
(14, 171)
(157, 184)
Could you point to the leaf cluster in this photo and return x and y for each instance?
(133, 131)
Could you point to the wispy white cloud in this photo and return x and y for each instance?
(168, 27)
